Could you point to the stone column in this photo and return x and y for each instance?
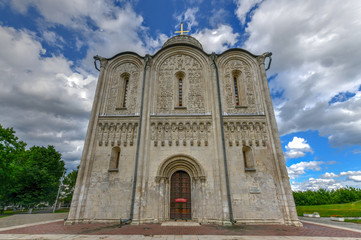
(162, 198)
(166, 199)
(195, 199)
(77, 209)
(285, 192)
(203, 198)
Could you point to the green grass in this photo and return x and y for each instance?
(62, 210)
(344, 210)
(7, 213)
(11, 212)
(353, 220)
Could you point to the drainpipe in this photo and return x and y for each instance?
(129, 220)
(213, 56)
(96, 58)
(268, 54)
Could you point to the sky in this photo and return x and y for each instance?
(48, 79)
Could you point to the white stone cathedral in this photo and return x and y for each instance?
(183, 134)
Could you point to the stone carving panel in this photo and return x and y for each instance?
(194, 85)
(180, 133)
(117, 133)
(245, 133)
(116, 86)
(247, 87)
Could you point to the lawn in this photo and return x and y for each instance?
(62, 210)
(353, 220)
(35, 211)
(344, 210)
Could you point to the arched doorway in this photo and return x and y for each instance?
(180, 196)
(196, 178)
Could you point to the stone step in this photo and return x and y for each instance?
(180, 224)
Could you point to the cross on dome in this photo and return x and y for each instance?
(181, 31)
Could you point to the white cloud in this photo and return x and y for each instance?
(298, 169)
(217, 40)
(65, 12)
(329, 175)
(218, 17)
(188, 17)
(356, 178)
(53, 39)
(297, 148)
(45, 101)
(350, 173)
(356, 151)
(327, 180)
(154, 44)
(315, 184)
(103, 27)
(316, 53)
(244, 7)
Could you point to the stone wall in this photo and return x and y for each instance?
(186, 138)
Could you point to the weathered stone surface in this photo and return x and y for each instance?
(187, 138)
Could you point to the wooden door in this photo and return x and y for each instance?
(180, 196)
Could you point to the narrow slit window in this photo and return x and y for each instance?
(117, 160)
(180, 92)
(245, 159)
(236, 90)
(126, 84)
(114, 160)
(249, 164)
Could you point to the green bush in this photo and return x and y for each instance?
(323, 196)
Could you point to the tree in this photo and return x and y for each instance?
(11, 152)
(38, 178)
(69, 186)
(324, 196)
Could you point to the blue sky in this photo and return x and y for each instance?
(47, 76)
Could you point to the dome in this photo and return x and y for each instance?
(181, 39)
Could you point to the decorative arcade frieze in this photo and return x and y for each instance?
(181, 133)
(117, 133)
(245, 133)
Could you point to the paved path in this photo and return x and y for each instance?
(56, 230)
(161, 237)
(355, 226)
(21, 219)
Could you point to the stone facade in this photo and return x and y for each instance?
(183, 110)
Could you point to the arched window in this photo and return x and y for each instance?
(180, 92)
(235, 82)
(114, 159)
(248, 159)
(180, 100)
(239, 90)
(125, 91)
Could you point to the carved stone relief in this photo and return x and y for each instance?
(117, 133)
(180, 133)
(247, 87)
(194, 85)
(116, 90)
(245, 133)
